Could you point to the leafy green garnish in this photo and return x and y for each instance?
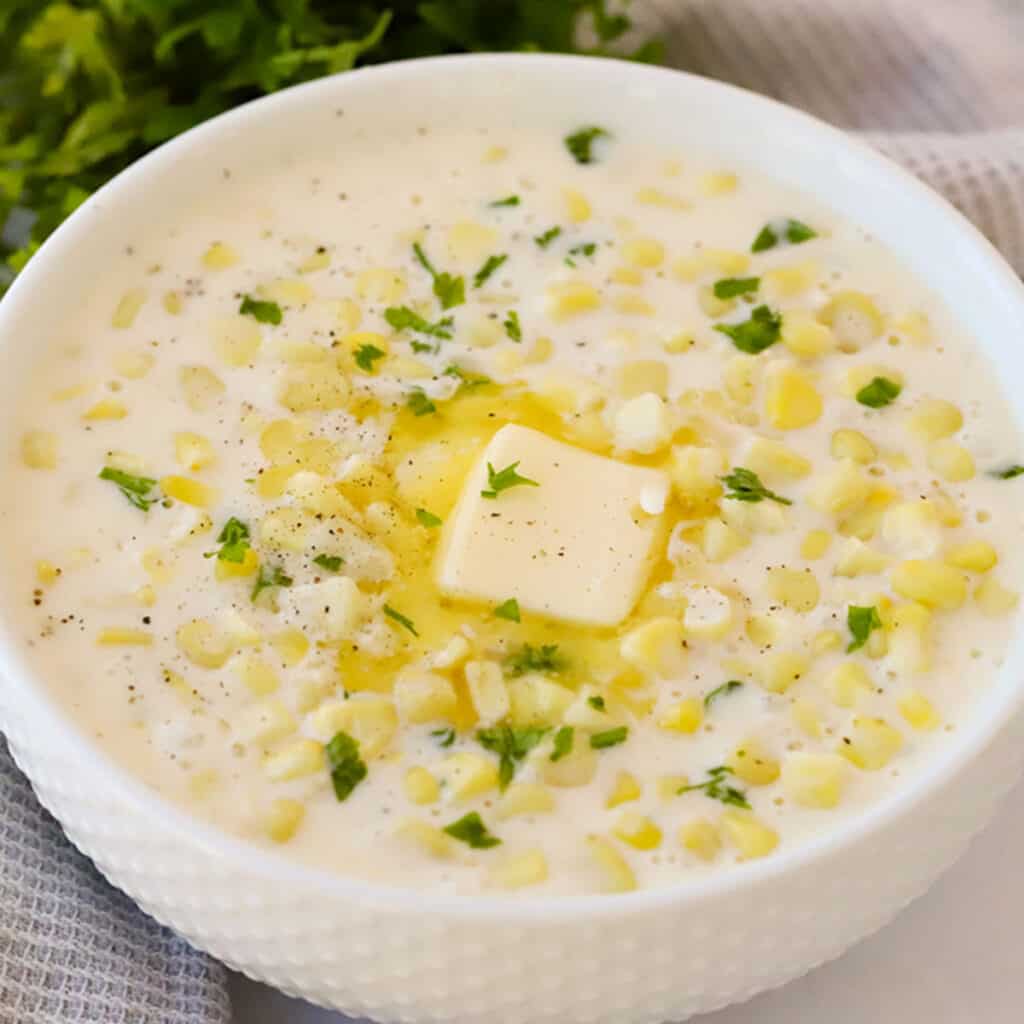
(794, 231)
(583, 249)
(762, 330)
(508, 610)
(545, 238)
(135, 488)
(450, 291)
(511, 745)
(428, 519)
(347, 768)
(507, 201)
(491, 264)
(528, 658)
(861, 621)
(721, 691)
(467, 381)
(499, 480)
(332, 563)
(745, 485)
(609, 738)
(403, 318)
(1009, 473)
(597, 703)
(512, 326)
(563, 741)
(880, 392)
(580, 144)
(470, 829)
(268, 578)
(419, 403)
(366, 355)
(731, 287)
(797, 232)
(716, 787)
(402, 620)
(265, 312)
(233, 540)
(444, 737)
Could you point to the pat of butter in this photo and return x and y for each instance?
(576, 547)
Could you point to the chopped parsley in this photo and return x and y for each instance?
(467, 381)
(547, 237)
(580, 144)
(419, 404)
(450, 291)
(233, 540)
(584, 249)
(445, 737)
(721, 691)
(563, 741)
(491, 264)
(135, 488)
(545, 658)
(470, 829)
(511, 745)
(499, 480)
(597, 703)
(1009, 473)
(762, 330)
(512, 326)
(402, 318)
(265, 312)
(745, 485)
(861, 621)
(508, 610)
(731, 287)
(716, 787)
(428, 519)
(268, 578)
(880, 392)
(507, 201)
(332, 563)
(794, 232)
(366, 355)
(402, 620)
(347, 768)
(609, 738)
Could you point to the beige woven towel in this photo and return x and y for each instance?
(937, 84)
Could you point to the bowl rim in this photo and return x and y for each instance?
(20, 679)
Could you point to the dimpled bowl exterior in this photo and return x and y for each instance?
(397, 955)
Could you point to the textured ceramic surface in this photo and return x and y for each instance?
(405, 956)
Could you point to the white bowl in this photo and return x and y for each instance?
(405, 955)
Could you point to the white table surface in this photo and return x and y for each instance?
(956, 956)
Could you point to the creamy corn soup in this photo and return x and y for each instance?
(514, 513)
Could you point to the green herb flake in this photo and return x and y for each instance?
(135, 488)
(264, 312)
(402, 620)
(716, 787)
(512, 326)
(508, 610)
(745, 485)
(507, 201)
(880, 392)
(528, 658)
(233, 540)
(586, 249)
(563, 741)
(366, 355)
(347, 768)
(332, 563)
(403, 318)
(268, 578)
(794, 232)
(581, 143)
(419, 404)
(861, 621)
(491, 264)
(427, 519)
(609, 738)
(445, 737)
(511, 746)
(547, 237)
(1009, 473)
(762, 330)
(597, 703)
(503, 479)
(721, 691)
(467, 381)
(470, 829)
(450, 290)
(797, 232)
(766, 239)
(731, 287)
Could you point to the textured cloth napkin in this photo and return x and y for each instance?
(938, 86)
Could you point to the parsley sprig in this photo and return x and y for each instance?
(745, 485)
(268, 578)
(511, 745)
(861, 622)
(499, 480)
(450, 290)
(233, 540)
(717, 787)
(721, 691)
(263, 311)
(760, 331)
(793, 231)
(879, 392)
(135, 488)
(471, 830)
(403, 318)
(491, 264)
(546, 658)
(346, 766)
(581, 142)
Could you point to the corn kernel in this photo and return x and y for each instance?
(616, 874)
(519, 870)
(840, 488)
(201, 387)
(224, 570)
(284, 529)
(131, 364)
(468, 774)
(774, 461)
(815, 544)
(637, 831)
(220, 256)
(632, 303)
(695, 473)
(813, 780)
(204, 644)
(930, 583)
(761, 630)
(791, 399)
(753, 764)
(908, 634)
(847, 683)
(47, 572)
(287, 292)
(656, 197)
(172, 303)
(538, 701)
(625, 790)
(642, 424)
(854, 319)
(424, 697)
(106, 409)
(313, 388)
(568, 299)
(718, 183)
(193, 451)
(118, 636)
(371, 721)
(933, 419)
(711, 305)
(918, 711)
(796, 589)
(708, 614)
(994, 599)
(265, 722)
(577, 768)
(522, 798)
(577, 207)
(751, 837)
(806, 337)
(685, 716)
(785, 282)
(236, 340)
(39, 449)
(807, 719)
(782, 669)
(641, 376)
(852, 445)
(912, 527)
(669, 785)
(720, 541)
(701, 838)
(300, 758)
(427, 839)
(872, 745)
(420, 786)
(257, 675)
(189, 491)
(470, 242)
(655, 646)
(974, 556)
(643, 252)
(127, 308)
(283, 820)
(951, 461)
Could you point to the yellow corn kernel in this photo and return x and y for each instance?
(519, 870)
(468, 774)
(224, 570)
(132, 364)
(615, 872)
(795, 588)
(684, 716)
(854, 319)
(708, 614)
(641, 376)
(146, 596)
(710, 304)
(626, 789)
(858, 377)
(540, 351)
(424, 697)
(219, 256)
(872, 744)
(847, 683)
(577, 768)
(740, 377)
(407, 368)
(973, 555)
(696, 472)
(453, 654)
(914, 326)
(47, 572)
(785, 282)
(807, 719)
(311, 693)
(951, 461)
(825, 641)
(172, 303)
(487, 690)
(494, 154)
(751, 837)
(313, 388)
(568, 299)
(815, 544)
(427, 839)
(191, 492)
(257, 675)
(300, 758)
(284, 529)
(918, 711)
(538, 701)
(643, 252)
(283, 820)
(782, 669)
(193, 451)
(852, 445)
(930, 583)
(371, 721)
(106, 409)
(774, 461)
(522, 798)
(840, 488)
(791, 399)
(761, 630)
(656, 197)
(669, 785)
(265, 722)
(39, 449)
(933, 419)
(655, 646)
(912, 527)
(420, 786)
(701, 838)
(204, 644)
(236, 340)
(994, 599)
(201, 387)
(637, 831)
(718, 183)
(806, 337)
(632, 303)
(127, 308)
(287, 292)
(627, 275)
(720, 541)
(471, 242)
(119, 636)
(908, 634)
(753, 764)
(814, 780)
(577, 207)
